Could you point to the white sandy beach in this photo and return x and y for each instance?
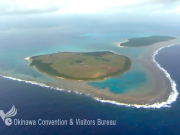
(27, 58)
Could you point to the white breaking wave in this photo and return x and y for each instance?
(40, 84)
(172, 97)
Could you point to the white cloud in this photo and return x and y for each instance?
(84, 6)
(174, 11)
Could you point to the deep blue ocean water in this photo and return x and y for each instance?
(34, 102)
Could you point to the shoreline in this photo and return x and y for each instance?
(171, 93)
(136, 43)
(119, 43)
(28, 58)
(128, 66)
(171, 99)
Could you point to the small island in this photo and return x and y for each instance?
(145, 41)
(87, 66)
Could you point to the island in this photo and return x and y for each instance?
(130, 76)
(86, 66)
(145, 41)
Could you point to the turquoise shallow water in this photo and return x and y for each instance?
(18, 45)
(122, 84)
(34, 102)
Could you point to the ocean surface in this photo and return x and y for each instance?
(33, 102)
(20, 44)
(123, 83)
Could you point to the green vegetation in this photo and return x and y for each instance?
(82, 66)
(145, 41)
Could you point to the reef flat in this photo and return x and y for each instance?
(156, 90)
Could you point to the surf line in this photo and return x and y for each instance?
(41, 84)
(172, 97)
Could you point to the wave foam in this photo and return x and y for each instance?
(172, 97)
(42, 85)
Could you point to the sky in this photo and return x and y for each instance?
(14, 7)
(36, 20)
(27, 23)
